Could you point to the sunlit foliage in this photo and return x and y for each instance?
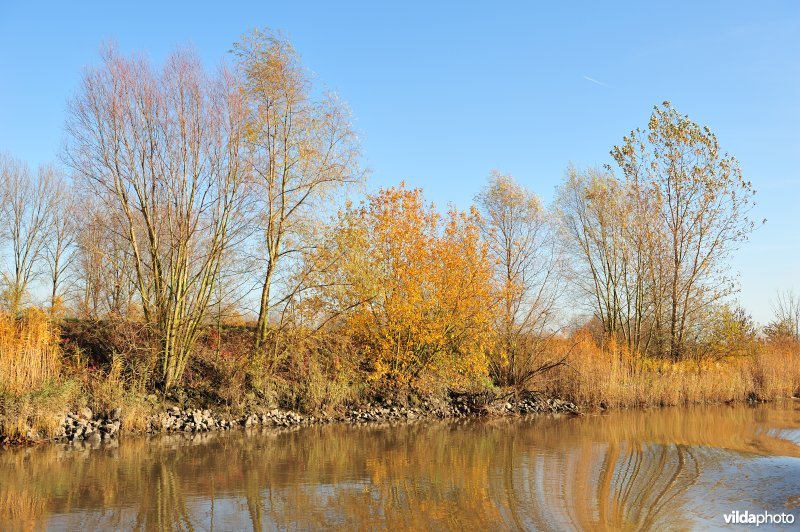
(418, 288)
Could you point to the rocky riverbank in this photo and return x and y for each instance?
(85, 426)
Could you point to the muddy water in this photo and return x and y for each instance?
(658, 469)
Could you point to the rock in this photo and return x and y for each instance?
(85, 413)
(115, 413)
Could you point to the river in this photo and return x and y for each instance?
(677, 468)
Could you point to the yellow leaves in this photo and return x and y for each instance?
(424, 283)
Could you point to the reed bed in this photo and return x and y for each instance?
(611, 377)
(29, 352)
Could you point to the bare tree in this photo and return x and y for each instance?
(786, 308)
(302, 149)
(104, 271)
(61, 238)
(653, 244)
(589, 210)
(528, 275)
(162, 151)
(615, 253)
(27, 211)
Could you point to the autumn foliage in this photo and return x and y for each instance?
(207, 199)
(414, 288)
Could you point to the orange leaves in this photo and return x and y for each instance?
(420, 287)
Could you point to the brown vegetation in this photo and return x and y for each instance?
(29, 352)
(610, 376)
(207, 263)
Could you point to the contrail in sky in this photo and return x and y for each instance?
(587, 78)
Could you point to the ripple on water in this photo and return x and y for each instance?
(657, 469)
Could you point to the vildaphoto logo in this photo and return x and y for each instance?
(764, 518)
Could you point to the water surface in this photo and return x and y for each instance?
(656, 469)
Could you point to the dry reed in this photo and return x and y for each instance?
(612, 377)
(29, 352)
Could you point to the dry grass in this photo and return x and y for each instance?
(108, 366)
(775, 371)
(136, 413)
(612, 377)
(32, 398)
(37, 414)
(29, 352)
(117, 387)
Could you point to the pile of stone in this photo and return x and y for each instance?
(196, 420)
(83, 425)
(532, 404)
(280, 418)
(189, 420)
(461, 406)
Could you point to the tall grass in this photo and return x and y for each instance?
(106, 367)
(33, 396)
(37, 414)
(29, 352)
(610, 376)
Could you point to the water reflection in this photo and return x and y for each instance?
(626, 470)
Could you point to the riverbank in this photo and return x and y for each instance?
(94, 428)
(87, 428)
(92, 381)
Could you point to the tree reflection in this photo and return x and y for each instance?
(629, 470)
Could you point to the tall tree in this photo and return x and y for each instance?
(104, 270)
(27, 209)
(162, 151)
(527, 275)
(604, 223)
(61, 238)
(653, 243)
(701, 205)
(302, 149)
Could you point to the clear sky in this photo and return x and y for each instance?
(444, 93)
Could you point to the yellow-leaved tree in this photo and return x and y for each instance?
(414, 289)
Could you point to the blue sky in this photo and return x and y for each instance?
(444, 93)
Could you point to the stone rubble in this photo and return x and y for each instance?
(85, 426)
